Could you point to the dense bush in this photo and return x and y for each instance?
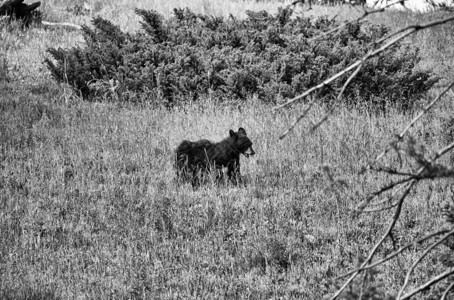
(271, 56)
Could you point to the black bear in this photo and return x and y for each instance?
(194, 160)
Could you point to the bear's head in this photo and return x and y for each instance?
(241, 142)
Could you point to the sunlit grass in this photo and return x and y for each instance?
(90, 205)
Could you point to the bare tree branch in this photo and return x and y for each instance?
(379, 243)
(364, 15)
(339, 97)
(410, 30)
(369, 199)
(300, 117)
(395, 253)
(391, 171)
(427, 170)
(319, 86)
(419, 175)
(419, 116)
(399, 204)
(443, 151)
(445, 294)
(415, 264)
(429, 283)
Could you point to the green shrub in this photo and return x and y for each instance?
(272, 56)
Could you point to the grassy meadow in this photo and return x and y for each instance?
(89, 206)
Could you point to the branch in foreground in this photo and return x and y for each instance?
(379, 243)
(443, 297)
(431, 172)
(339, 97)
(395, 253)
(413, 267)
(360, 207)
(394, 220)
(429, 283)
(419, 116)
(364, 15)
(411, 29)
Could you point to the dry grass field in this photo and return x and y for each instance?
(89, 206)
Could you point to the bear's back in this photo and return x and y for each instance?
(222, 152)
(202, 144)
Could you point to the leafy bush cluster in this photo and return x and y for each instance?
(272, 56)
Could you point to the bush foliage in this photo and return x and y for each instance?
(271, 56)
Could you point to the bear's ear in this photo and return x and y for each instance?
(233, 133)
(242, 131)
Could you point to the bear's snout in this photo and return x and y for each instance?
(249, 152)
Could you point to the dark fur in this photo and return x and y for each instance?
(195, 160)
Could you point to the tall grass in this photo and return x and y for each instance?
(89, 207)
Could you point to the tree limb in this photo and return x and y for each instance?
(379, 243)
(429, 283)
(395, 253)
(415, 264)
(410, 30)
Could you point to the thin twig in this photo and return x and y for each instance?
(419, 116)
(380, 209)
(300, 117)
(364, 15)
(411, 29)
(414, 28)
(403, 183)
(319, 86)
(395, 217)
(339, 97)
(378, 244)
(391, 171)
(395, 253)
(312, 102)
(443, 297)
(442, 152)
(416, 176)
(429, 283)
(415, 264)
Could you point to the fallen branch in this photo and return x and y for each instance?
(63, 24)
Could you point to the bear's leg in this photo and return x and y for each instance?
(196, 177)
